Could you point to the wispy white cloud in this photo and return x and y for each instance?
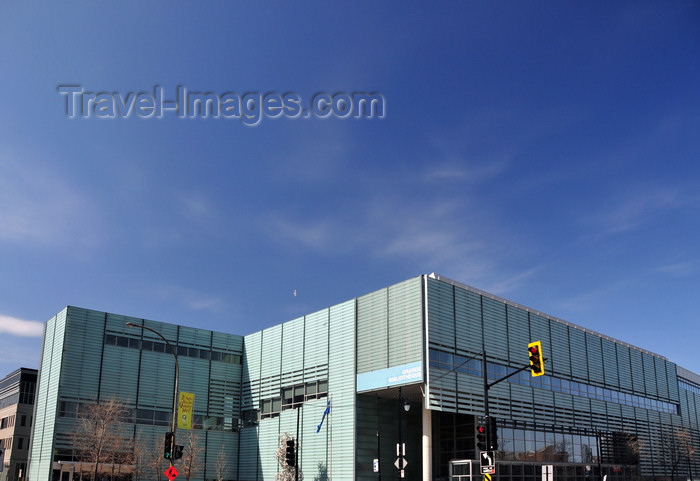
(190, 298)
(317, 234)
(436, 231)
(640, 208)
(39, 205)
(200, 210)
(19, 352)
(382, 227)
(445, 236)
(588, 300)
(463, 172)
(196, 207)
(169, 216)
(319, 161)
(679, 269)
(20, 327)
(510, 283)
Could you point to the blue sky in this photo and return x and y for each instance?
(546, 152)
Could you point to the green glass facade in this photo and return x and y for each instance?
(603, 408)
(93, 356)
(400, 366)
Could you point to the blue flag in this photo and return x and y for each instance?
(326, 412)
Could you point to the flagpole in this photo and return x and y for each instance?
(329, 434)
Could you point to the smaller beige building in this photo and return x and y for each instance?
(16, 405)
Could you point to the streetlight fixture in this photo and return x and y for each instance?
(401, 446)
(177, 379)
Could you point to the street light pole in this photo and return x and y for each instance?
(401, 446)
(177, 379)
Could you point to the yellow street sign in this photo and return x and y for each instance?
(185, 407)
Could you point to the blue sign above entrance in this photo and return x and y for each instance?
(392, 376)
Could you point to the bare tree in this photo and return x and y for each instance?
(122, 461)
(98, 436)
(678, 447)
(689, 449)
(140, 456)
(563, 449)
(286, 472)
(322, 473)
(155, 464)
(221, 464)
(192, 454)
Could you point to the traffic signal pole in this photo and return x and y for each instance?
(488, 385)
(173, 426)
(296, 449)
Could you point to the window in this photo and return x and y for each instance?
(287, 397)
(270, 407)
(249, 417)
(68, 409)
(299, 394)
(161, 347)
(292, 397)
(232, 358)
(447, 361)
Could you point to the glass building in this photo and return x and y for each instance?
(387, 385)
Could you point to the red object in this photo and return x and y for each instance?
(171, 473)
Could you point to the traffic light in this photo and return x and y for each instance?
(534, 350)
(290, 456)
(481, 436)
(177, 452)
(168, 451)
(491, 434)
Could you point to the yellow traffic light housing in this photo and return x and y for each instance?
(534, 350)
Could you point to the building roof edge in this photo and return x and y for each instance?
(543, 314)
